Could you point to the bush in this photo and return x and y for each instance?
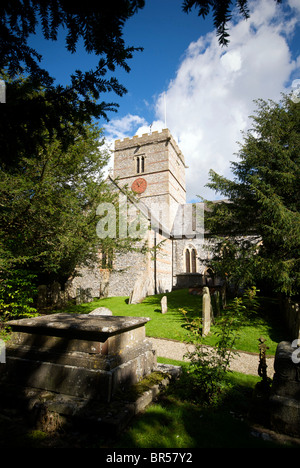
(17, 293)
(209, 368)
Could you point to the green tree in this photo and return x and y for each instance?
(48, 216)
(258, 223)
(100, 26)
(50, 162)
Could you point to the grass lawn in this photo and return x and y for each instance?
(172, 325)
(174, 422)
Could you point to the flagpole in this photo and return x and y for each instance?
(165, 105)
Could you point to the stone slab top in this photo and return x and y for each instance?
(80, 326)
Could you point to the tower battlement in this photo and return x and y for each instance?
(154, 137)
(165, 132)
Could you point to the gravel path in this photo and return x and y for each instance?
(247, 363)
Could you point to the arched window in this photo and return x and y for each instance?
(190, 261)
(187, 261)
(194, 265)
(140, 164)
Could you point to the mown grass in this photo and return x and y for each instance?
(173, 325)
(178, 423)
(238, 420)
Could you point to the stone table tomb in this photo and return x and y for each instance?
(79, 355)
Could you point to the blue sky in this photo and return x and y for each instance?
(165, 32)
(208, 90)
(161, 28)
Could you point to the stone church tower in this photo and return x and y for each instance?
(153, 167)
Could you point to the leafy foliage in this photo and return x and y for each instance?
(99, 25)
(258, 223)
(48, 214)
(209, 367)
(221, 11)
(17, 290)
(59, 108)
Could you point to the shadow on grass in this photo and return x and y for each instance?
(172, 422)
(175, 422)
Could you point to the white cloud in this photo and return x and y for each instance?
(209, 100)
(121, 128)
(295, 4)
(117, 129)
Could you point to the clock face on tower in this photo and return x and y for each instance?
(139, 185)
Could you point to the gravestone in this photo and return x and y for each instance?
(285, 390)
(101, 311)
(223, 296)
(215, 301)
(206, 311)
(143, 287)
(164, 305)
(42, 300)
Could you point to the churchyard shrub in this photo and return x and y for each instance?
(17, 292)
(209, 367)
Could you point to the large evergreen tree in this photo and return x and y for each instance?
(48, 207)
(50, 162)
(258, 226)
(49, 211)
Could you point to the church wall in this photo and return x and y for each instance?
(162, 262)
(179, 259)
(177, 171)
(155, 266)
(88, 279)
(164, 171)
(127, 269)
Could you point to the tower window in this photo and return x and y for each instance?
(140, 164)
(194, 224)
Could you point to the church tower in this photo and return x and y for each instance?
(153, 167)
